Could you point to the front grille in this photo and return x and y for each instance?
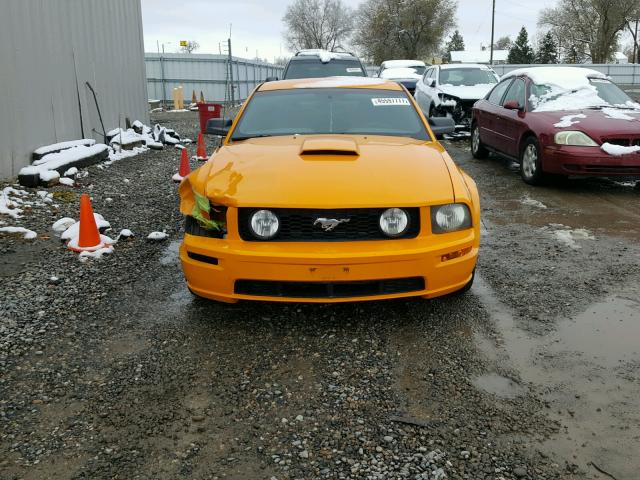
(366, 288)
(623, 142)
(297, 224)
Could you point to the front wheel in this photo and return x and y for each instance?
(531, 162)
(477, 149)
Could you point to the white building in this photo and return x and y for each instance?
(49, 50)
(479, 56)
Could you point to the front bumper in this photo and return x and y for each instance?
(337, 264)
(589, 161)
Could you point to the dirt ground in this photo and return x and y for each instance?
(113, 370)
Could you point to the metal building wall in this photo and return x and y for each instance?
(49, 49)
(203, 72)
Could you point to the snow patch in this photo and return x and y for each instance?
(74, 229)
(27, 234)
(618, 114)
(87, 142)
(569, 237)
(69, 182)
(157, 236)
(526, 200)
(568, 120)
(95, 255)
(61, 225)
(618, 150)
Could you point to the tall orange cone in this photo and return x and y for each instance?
(201, 152)
(89, 237)
(185, 169)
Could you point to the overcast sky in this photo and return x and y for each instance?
(256, 25)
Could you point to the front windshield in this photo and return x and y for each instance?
(310, 111)
(459, 77)
(599, 92)
(314, 68)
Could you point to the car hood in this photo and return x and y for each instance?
(467, 92)
(597, 123)
(371, 171)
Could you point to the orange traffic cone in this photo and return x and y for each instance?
(185, 169)
(89, 238)
(201, 152)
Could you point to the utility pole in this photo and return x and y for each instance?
(230, 60)
(164, 93)
(493, 19)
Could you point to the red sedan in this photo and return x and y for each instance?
(566, 121)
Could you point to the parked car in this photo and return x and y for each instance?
(328, 190)
(405, 72)
(567, 121)
(452, 89)
(322, 63)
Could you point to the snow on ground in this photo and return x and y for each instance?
(568, 120)
(177, 177)
(569, 237)
(61, 225)
(47, 165)
(69, 182)
(27, 234)
(95, 255)
(125, 233)
(119, 154)
(618, 150)
(526, 200)
(9, 201)
(157, 236)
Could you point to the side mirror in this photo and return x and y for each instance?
(218, 126)
(271, 79)
(432, 83)
(512, 105)
(441, 126)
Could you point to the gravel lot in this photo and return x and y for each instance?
(114, 371)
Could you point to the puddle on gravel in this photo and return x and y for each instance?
(171, 254)
(586, 372)
(502, 387)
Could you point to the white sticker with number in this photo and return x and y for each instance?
(353, 70)
(382, 102)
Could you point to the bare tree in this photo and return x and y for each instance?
(403, 29)
(325, 24)
(592, 26)
(190, 47)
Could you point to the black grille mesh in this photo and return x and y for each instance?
(297, 224)
(366, 288)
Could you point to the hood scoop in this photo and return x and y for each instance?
(329, 146)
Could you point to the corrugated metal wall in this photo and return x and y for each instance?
(49, 49)
(622, 74)
(203, 72)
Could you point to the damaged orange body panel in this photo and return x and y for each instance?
(361, 209)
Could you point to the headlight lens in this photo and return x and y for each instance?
(574, 138)
(264, 224)
(450, 217)
(394, 222)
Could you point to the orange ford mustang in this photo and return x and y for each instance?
(329, 190)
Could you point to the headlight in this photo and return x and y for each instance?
(394, 222)
(450, 217)
(264, 224)
(575, 138)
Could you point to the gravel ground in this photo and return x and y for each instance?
(114, 371)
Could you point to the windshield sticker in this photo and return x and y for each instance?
(381, 102)
(353, 70)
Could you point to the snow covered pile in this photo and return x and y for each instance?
(49, 166)
(157, 236)
(618, 150)
(57, 147)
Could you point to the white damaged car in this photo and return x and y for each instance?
(451, 90)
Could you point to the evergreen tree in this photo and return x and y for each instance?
(547, 50)
(521, 51)
(455, 44)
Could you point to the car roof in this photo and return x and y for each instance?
(402, 63)
(331, 82)
(447, 66)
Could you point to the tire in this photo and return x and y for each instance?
(477, 148)
(531, 162)
(467, 287)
